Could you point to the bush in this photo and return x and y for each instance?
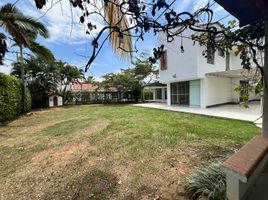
(207, 182)
(10, 97)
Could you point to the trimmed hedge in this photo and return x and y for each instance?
(10, 97)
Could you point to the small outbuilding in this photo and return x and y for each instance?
(55, 100)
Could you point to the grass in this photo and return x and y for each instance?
(131, 152)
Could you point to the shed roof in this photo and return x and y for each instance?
(246, 11)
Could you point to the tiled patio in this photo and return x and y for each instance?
(238, 112)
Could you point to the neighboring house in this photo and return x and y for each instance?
(90, 93)
(78, 87)
(195, 80)
(159, 92)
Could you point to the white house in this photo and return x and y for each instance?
(198, 81)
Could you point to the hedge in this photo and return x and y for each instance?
(10, 97)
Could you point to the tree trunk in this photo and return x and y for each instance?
(23, 88)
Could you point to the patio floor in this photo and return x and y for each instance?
(238, 112)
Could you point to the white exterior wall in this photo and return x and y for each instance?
(204, 67)
(180, 66)
(192, 65)
(168, 94)
(50, 102)
(218, 90)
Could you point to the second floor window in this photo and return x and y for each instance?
(210, 55)
(163, 61)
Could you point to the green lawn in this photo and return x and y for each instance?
(110, 152)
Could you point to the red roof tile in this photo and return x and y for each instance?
(84, 86)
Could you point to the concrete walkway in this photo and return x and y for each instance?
(238, 112)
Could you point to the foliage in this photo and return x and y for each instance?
(10, 97)
(207, 181)
(67, 74)
(24, 30)
(147, 94)
(132, 79)
(41, 79)
(44, 77)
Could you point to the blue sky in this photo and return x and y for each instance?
(70, 43)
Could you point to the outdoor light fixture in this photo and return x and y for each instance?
(182, 49)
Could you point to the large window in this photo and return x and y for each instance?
(180, 93)
(163, 61)
(158, 94)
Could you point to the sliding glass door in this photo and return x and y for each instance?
(180, 93)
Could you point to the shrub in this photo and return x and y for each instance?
(148, 95)
(207, 182)
(10, 97)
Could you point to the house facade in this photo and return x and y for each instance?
(196, 80)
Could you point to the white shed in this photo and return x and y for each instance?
(55, 100)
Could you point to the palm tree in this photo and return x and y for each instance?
(24, 31)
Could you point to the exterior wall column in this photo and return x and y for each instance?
(168, 94)
(154, 94)
(265, 86)
(203, 94)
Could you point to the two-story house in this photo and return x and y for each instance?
(196, 80)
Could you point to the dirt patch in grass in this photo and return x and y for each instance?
(48, 171)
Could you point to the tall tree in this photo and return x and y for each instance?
(67, 74)
(24, 31)
(41, 77)
(134, 78)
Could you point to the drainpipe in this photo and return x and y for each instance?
(265, 86)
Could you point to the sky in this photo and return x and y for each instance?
(68, 41)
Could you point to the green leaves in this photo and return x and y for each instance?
(24, 30)
(41, 50)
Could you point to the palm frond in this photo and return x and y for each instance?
(42, 51)
(115, 18)
(19, 25)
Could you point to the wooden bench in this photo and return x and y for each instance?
(242, 169)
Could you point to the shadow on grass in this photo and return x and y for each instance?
(97, 185)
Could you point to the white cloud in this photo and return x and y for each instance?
(5, 69)
(62, 21)
(182, 5)
(200, 4)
